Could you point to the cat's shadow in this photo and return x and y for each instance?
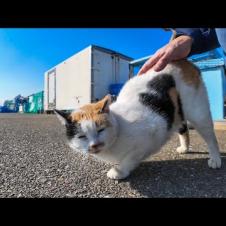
(179, 178)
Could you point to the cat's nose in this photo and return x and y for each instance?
(96, 145)
(95, 148)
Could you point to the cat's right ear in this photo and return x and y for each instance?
(64, 117)
(105, 103)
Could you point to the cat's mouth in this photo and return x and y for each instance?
(94, 151)
(97, 149)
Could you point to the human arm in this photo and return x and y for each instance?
(178, 48)
(188, 41)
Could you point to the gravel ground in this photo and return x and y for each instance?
(36, 162)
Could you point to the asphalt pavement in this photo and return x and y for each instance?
(35, 161)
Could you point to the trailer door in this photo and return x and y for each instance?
(52, 89)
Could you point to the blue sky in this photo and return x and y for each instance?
(25, 54)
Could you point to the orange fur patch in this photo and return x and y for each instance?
(190, 73)
(174, 97)
(91, 112)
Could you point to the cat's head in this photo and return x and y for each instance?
(91, 128)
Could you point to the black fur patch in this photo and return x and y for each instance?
(180, 111)
(71, 130)
(158, 98)
(183, 129)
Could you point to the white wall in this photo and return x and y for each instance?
(73, 81)
(103, 73)
(108, 70)
(73, 78)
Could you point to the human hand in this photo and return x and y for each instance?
(178, 48)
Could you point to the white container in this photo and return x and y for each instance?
(21, 109)
(84, 78)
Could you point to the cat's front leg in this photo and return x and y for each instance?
(116, 174)
(123, 170)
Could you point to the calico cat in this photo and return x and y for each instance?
(148, 110)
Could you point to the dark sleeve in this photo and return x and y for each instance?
(204, 39)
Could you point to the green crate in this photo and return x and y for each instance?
(35, 103)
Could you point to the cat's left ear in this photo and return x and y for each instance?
(105, 103)
(64, 117)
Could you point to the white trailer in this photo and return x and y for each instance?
(84, 78)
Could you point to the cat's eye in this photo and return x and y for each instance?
(82, 136)
(100, 130)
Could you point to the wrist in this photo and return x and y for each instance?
(182, 46)
(184, 40)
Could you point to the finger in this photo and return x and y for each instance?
(150, 63)
(161, 64)
(165, 59)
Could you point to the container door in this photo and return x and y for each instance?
(40, 102)
(122, 70)
(31, 104)
(117, 69)
(52, 89)
(103, 73)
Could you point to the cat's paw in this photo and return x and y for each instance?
(182, 150)
(116, 174)
(214, 163)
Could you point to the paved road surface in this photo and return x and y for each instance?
(36, 162)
